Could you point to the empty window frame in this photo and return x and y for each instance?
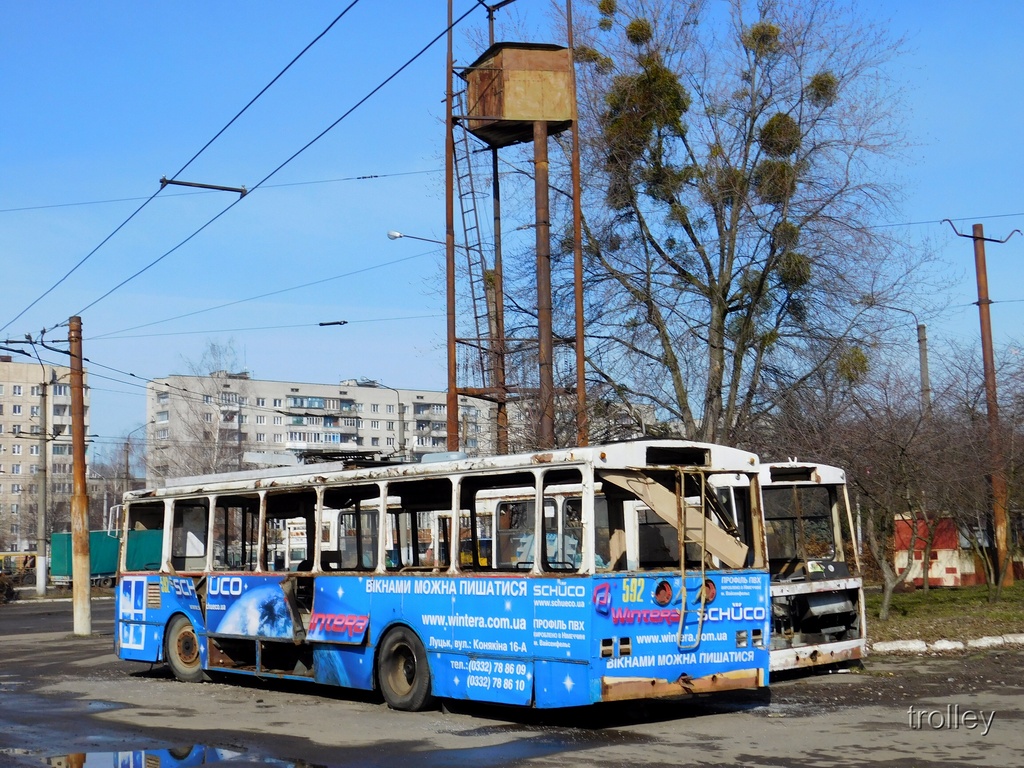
(144, 536)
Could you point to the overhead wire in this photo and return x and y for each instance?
(142, 383)
(292, 157)
(267, 87)
(262, 295)
(149, 199)
(109, 337)
(363, 177)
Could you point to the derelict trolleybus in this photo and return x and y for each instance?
(550, 579)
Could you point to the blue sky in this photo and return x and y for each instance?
(100, 100)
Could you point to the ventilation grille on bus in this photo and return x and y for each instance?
(690, 456)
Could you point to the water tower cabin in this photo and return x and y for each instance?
(512, 86)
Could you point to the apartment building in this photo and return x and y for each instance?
(202, 424)
(35, 449)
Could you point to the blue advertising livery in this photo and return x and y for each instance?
(508, 639)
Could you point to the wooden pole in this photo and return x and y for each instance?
(81, 589)
(997, 468)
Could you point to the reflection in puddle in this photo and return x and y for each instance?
(561, 742)
(175, 757)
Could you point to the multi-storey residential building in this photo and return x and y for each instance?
(203, 424)
(35, 449)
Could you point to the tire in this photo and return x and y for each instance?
(403, 673)
(182, 651)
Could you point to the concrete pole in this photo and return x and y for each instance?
(81, 588)
(127, 469)
(926, 386)
(44, 464)
(401, 429)
(401, 421)
(997, 470)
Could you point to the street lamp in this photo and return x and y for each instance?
(452, 395)
(393, 235)
(922, 350)
(127, 454)
(922, 353)
(401, 421)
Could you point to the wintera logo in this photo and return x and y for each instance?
(341, 623)
(603, 598)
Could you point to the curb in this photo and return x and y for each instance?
(920, 646)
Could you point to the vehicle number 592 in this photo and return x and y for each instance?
(633, 590)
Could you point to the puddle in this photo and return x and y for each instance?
(174, 757)
(199, 755)
(103, 706)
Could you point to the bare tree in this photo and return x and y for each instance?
(972, 506)
(735, 166)
(208, 416)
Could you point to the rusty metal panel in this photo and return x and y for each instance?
(808, 656)
(621, 689)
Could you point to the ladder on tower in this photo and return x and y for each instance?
(477, 368)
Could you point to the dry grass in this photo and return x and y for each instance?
(947, 613)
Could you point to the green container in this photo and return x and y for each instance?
(103, 551)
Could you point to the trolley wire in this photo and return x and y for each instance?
(149, 199)
(115, 334)
(292, 157)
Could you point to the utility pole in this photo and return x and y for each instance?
(81, 587)
(926, 385)
(44, 465)
(401, 420)
(582, 420)
(997, 465)
(452, 399)
(127, 470)
(238, 416)
(542, 228)
(998, 468)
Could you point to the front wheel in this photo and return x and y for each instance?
(402, 671)
(182, 651)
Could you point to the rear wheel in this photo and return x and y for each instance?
(403, 672)
(182, 651)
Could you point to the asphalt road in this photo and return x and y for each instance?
(69, 701)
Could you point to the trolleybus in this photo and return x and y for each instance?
(817, 592)
(551, 579)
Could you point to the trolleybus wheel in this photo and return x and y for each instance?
(402, 671)
(183, 651)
